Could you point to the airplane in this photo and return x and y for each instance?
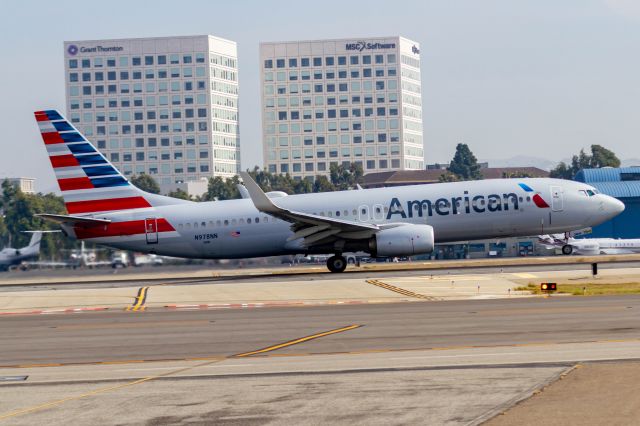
(105, 208)
(591, 246)
(11, 256)
(84, 257)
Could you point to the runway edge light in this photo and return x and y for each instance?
(548, 287)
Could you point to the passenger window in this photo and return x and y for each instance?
(249, 221)
(195, 225)
(203, 224)
(346, 212)
(188, 225)
(226, 223)
(257, 220)
(233, 221)
(241, 221)
(337, 213)
(218, 222)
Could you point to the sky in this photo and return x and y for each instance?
(509, 78)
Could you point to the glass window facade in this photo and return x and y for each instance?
(129, 103)
(352, 104)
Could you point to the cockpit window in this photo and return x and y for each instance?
(583, 192)
(590, 192)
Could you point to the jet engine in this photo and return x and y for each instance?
(403, 240)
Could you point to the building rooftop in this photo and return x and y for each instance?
(417, 177)
(621, 182)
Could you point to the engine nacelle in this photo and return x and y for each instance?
(403, 240)
(586, 247)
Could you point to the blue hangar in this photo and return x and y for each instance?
(623, 184)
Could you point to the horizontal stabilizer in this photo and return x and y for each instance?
(73, 220)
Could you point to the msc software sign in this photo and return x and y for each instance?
(74, 50)
(362, 45)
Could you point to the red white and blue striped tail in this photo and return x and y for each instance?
(88, 181)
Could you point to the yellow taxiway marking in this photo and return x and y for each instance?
(524, 275)
(141, 298)
(297, 341)
(177, 371)
(399, 290)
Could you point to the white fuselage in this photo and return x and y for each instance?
(456, 211)
(594, 246)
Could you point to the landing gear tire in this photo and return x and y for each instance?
(567, 249)
(337, 263)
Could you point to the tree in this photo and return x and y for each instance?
(179, 193)
(146, 183)
(303, 186)
(448, 177)
(19, 215)
(219, 189)
(465, 164)
(322, 184)
(600, 157)
(562, 171)
(344, 178)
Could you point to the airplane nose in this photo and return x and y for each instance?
(614, 206)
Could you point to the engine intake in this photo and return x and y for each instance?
(404, 240)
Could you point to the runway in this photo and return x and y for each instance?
(434, 360)
(122, 336)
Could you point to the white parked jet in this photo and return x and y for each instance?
(591, 246)
(106, 209)
(15, 256)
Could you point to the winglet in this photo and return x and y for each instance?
(259, 198)
(243, 191)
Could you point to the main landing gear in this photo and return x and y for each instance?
(337, 263)
(567, 249)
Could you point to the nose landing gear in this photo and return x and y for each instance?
(337, 263)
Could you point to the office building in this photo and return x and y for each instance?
(341, 101)
(165, 106)
(25, 184)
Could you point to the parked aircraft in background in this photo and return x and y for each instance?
(105, 208)
(84, 257)
(591, 246)
(15, 256)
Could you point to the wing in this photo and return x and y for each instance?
(313, 229)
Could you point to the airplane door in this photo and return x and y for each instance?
(151, 230)
(557, 199)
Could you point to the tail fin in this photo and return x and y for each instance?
(35, 239)
(88, 181)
